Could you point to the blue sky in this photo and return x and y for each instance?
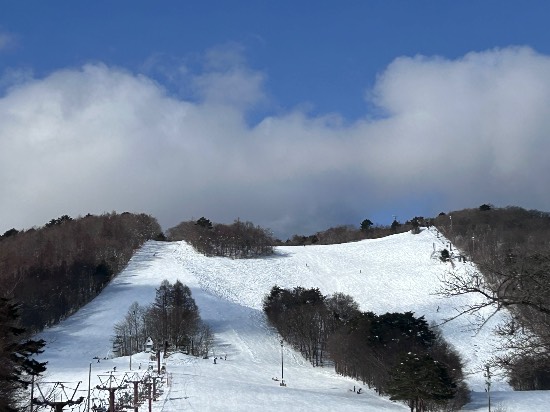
(295, 115)
(325, 53)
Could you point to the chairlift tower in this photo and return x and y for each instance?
(59, 390)
(136, 379)
(111, 385)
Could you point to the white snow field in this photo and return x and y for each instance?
(397, 273)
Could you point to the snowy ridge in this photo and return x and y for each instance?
(396, 273)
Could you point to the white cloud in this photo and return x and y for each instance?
(480, 119)
(237, 88)
(97, 139)
(7, 40)
(227, 80)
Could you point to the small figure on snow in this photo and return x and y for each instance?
(215, 360)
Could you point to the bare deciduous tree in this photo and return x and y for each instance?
(55, 269)
(173, 318)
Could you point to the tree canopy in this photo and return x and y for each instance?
(54, 270)
(369, 347)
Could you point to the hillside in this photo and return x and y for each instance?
(396, 273)
(54, 270)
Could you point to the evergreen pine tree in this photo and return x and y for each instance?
(16, 364)
(204, 222)
(394, 225)
(161, 306)
(366, 224)
(415, 226)
(418, 379)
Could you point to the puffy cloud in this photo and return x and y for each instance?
(479, 121)
(99, 138)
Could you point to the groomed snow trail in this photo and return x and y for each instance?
(397, 273)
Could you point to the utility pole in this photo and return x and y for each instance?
(158, 361)
(89, 384)
(131, 351)
(32, 391)
(488, 383)
(282, 370)
(282, 361)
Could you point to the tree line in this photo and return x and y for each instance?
(55, 269)
(237, 240)
(349, 233)
(244, 239)
(171, 321)
(395, 353)
(511, 249)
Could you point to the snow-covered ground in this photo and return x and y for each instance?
(396, 273)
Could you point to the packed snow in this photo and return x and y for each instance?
(394, 274)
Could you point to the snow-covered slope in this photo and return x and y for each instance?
(396, 273)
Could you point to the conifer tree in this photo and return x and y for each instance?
(16, 363)
(418, 379)
(394, 226)
(366, 224)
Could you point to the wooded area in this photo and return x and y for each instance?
(349, 233)
(54, 270)
(395, 353)
(171, 321)
(238, 240)
(511, 249)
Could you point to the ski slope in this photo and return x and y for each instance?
(396, 273)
